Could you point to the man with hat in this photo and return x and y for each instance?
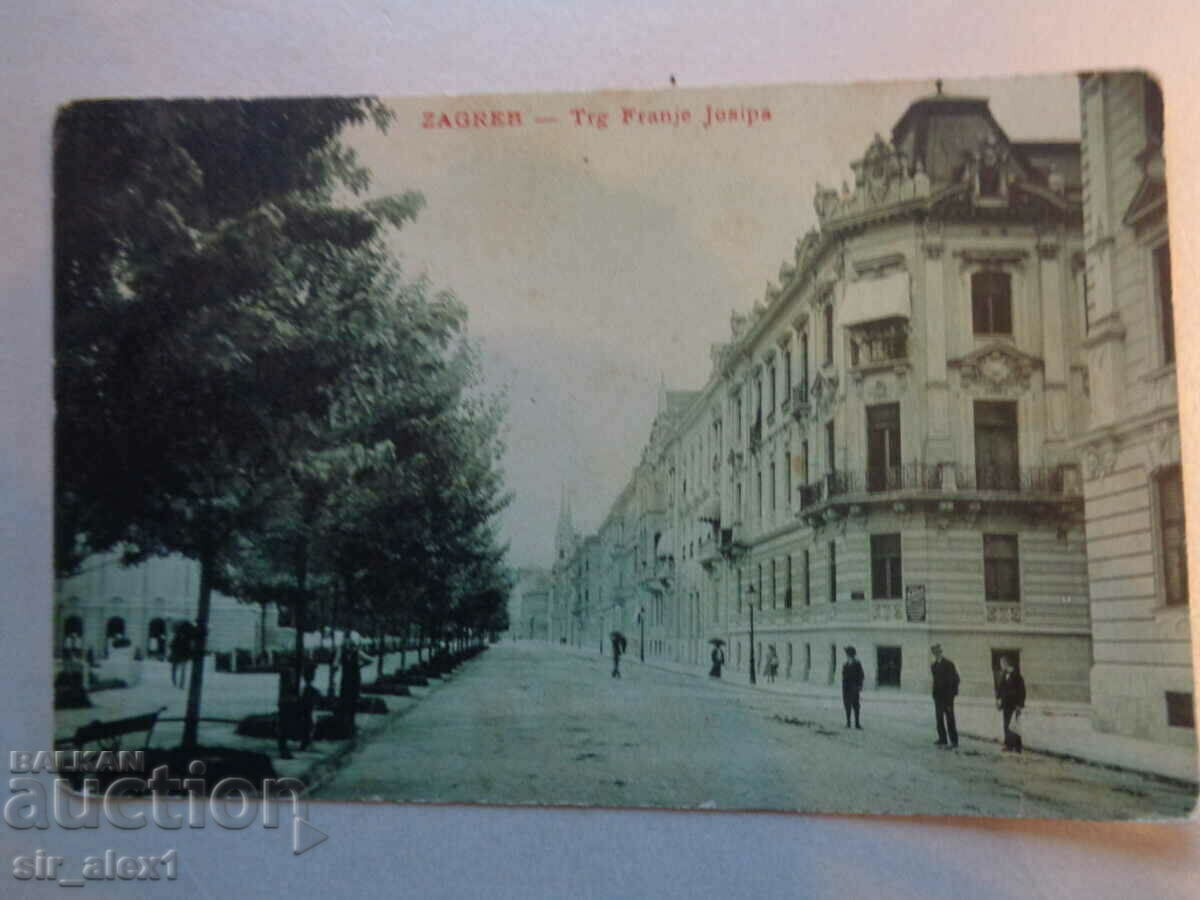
(852, 682)
(945, 689)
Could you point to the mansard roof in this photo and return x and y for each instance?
(943, 132)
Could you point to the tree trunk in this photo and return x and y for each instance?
(333, 654)
(191, 721)
(379, 649)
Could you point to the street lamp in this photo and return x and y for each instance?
(642, 639)
(750, 592)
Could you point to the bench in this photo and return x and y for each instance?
(108, 735)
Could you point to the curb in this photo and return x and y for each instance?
(322, 771)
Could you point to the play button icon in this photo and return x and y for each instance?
(305, 836)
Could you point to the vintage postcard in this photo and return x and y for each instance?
(786, 448)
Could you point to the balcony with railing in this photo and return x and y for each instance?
(942, 483)
(879, 345)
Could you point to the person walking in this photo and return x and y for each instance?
(945, 689)
(1010, 700)
(718, 660)
(772, 663)
(852, 683)
(181, 652)
(618, 647)
(352, 663)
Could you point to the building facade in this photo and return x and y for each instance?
(529, 605)
(1142, 680)
(884, 454)
(107, 601)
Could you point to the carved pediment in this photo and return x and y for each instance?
(996, 368)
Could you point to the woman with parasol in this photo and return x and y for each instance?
(718, 657)
(618, 647)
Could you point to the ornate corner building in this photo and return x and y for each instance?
(884, 452)
(1141, 683)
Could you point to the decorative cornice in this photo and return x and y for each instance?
(1006, 256)
(878, 263)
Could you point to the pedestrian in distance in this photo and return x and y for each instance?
(852, 683)
(352, 663)
(181, 652)
(1010, 700)
(772, 663)
(718, 660)
(945, 689)
(618, 647)
(308, 703)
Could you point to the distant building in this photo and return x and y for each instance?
(1142, 679)
(107, 601)
(529, 605)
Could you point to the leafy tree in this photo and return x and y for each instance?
(198, 326)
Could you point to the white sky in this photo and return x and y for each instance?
(595, 263)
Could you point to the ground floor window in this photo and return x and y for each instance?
(832, 662)
(1001, 572)
(1180, 710)
(807, 661)
(1171, 535)
(832, 572)
(887, 666)
(788, 671)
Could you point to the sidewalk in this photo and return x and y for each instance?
(232, 696)
(1057, 729)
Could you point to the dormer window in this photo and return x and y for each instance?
(991, 303)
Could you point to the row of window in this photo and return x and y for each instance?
(1001, 574)
(991, 314)
(995, 444)
(996, 453)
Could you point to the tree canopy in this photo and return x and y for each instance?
(244, 377)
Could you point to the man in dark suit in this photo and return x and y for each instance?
(1010, 700)
(945, 689)
(852, 682)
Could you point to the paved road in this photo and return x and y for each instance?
(531, 724)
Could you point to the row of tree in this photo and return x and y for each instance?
(244, 377)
